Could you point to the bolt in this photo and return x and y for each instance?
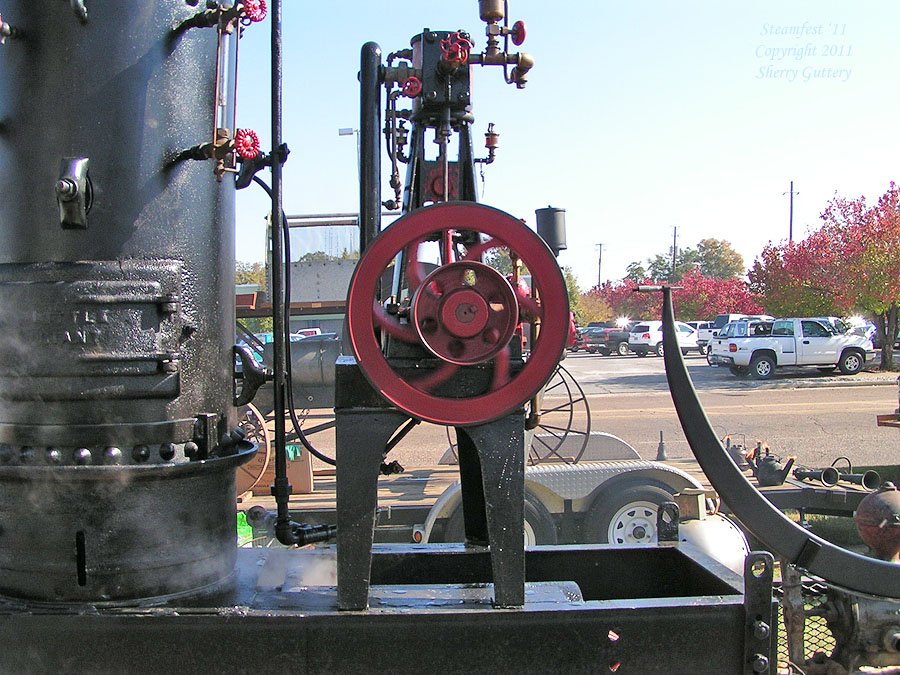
(760, 663)
(191, 449)
(67, 189)
(761, 630)
(430, 95)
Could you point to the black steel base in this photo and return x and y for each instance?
(667, 609)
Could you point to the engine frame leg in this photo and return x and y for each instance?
(360, 437)
(492, 478)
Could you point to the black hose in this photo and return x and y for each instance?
(289, 387)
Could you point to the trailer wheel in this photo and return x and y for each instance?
(539, 526)
(625, 516)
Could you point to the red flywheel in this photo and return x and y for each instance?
(464, 313)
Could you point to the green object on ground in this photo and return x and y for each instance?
(244, 530)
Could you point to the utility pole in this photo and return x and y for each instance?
(674, 252)
(599, 265)
(791, 216)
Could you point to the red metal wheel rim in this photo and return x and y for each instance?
(552, 310)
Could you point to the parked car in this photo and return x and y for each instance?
(794, 342)
(718, 352)
(647, 336)
(705, 331)
(612, 340)
(581, 338)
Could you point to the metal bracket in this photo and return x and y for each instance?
(74, 193)
(759, 614)
(667, 522)
(204, 437)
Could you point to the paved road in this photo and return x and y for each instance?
(800, 412)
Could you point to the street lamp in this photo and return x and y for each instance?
(349, 131)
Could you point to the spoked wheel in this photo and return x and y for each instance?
(565, 424)
(440, 350)
(253, 424)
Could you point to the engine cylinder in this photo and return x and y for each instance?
(117, 450)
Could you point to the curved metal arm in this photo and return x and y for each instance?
(775, 530)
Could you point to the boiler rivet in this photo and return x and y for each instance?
(140, 453)
(190, 449)
(54, 456)
(83, 456)
(26, 455)
(112, 455)
(167, 451)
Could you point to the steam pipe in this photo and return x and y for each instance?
(370, 76)
(281, 490)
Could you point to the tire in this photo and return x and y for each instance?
(622, 349)
(659, 349)
(851, 362)
(591, 351)
(641, 352)
(708, 354)
(625, 515)
(762, 367)
(739, 371)
(539, 526)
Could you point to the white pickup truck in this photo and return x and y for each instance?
(791, 342)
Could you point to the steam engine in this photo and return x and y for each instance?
(119, 160)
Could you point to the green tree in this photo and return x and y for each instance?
(718, 260)
(713, 259)
(635, 272)
(250, 273)
(574, 295)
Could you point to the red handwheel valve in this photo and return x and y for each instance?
(255, 10)
(518, 33)
(246, 143)
(455, 48)
(412, 87)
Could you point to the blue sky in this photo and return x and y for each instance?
(638, 116)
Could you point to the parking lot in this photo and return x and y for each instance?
(800, 411)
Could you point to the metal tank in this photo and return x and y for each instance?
(117, 426)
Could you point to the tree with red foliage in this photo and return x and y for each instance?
(699, 298)
(852, 262)
(868, 239)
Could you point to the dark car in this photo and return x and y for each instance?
(606, 340)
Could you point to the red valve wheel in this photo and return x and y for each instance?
(518, 33)
(412, 87)
(475, 305)
(246, 143)
(255, 10)
(455, 50)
